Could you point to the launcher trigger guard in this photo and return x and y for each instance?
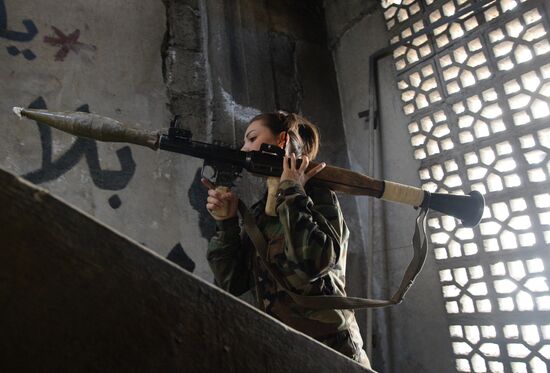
(220, 174)
(209, 172)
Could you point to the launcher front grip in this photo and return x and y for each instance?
(469, 209)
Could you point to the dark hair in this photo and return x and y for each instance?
(303, 135)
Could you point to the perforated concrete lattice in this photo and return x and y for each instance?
(477, 92)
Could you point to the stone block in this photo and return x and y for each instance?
(185, 25)
(184, 71)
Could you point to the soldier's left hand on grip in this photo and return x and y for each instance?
(221, 202)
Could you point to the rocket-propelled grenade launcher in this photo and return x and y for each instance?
(224, 164)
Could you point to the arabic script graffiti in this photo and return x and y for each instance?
(103, 179)
(19, 36)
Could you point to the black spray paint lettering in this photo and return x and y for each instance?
(197, 195)
(82, 147)
(18, 36)
(178, 256)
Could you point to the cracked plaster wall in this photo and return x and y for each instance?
(217, 63)
(235, 59)
(103, 57)
(413, 336)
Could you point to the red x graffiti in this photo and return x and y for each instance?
(67, 43)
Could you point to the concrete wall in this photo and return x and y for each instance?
(412, 336)
(71, 302)
(112, 67)
(248, 57)
(216, 63)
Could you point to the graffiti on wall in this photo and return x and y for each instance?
(178, 256)
(18, 36)
(67, 43)
(81, 148)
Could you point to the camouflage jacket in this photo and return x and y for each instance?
(310, 258)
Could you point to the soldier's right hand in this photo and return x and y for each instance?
(219, 201)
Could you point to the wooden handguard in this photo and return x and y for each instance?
(271, 203)
(347, 181)
(401, 193)
(222, 211)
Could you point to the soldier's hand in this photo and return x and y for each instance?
(219, 200)
(299, 174)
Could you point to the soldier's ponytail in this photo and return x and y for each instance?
(303, 135)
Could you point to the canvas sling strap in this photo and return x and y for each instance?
(320, 302)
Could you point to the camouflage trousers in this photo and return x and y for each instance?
(344, 344)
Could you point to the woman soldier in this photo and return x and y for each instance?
(307, 256)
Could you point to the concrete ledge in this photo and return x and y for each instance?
(77, 296)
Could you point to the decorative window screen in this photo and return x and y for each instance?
(477, 90)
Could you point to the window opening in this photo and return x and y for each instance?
(477, 92)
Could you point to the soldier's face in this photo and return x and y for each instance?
(257, 134)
